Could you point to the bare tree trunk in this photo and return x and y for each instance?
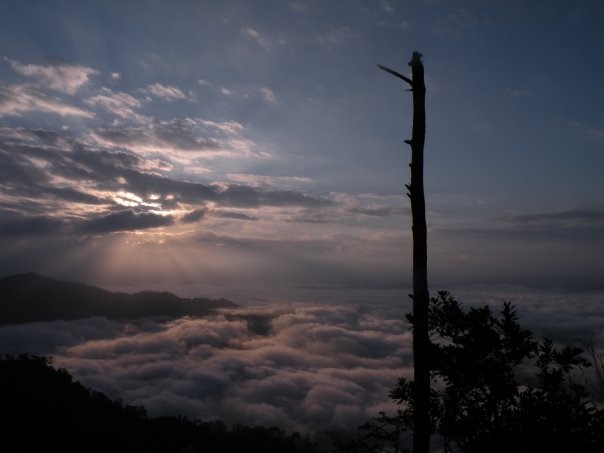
(421, 298)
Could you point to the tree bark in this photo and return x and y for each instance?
(421, 298)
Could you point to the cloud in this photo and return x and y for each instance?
(572, 224)
(596, 134)
(264, 227)
(73, 195)
(314, 367)
(549, 250)
(298, 7)
(179, 138)
(200, 213)
(593, 133)
(268, 95)
(386, 6)
(381, 211)
(268, 181)
(15, 100)
(13, 225)
(302, 366)
(47, 337)
(233, 215)
(458, 22)
(115, 76)
(245, 196)
(560, 315)
(166, 92)
(54, 174)
(568, 217)
(331, 259)
(22, 133)
(127, 220)
(194, 216)
(118, 103)
(336, 37)
(60, 76)
(517, 93)
(260, 38)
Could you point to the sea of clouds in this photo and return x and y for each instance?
(299, 366)
(303, 366)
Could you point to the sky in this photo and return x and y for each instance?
(186, 144)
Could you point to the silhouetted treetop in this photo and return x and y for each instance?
(496, 388)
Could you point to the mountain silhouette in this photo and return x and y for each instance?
(30, 297)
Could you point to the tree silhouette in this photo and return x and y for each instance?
(496, 388)
(421, 297)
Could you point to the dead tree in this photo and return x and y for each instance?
(421, 298)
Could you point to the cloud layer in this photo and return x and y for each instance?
(302, 367)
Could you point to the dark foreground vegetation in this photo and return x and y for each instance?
(497, 388)
(43, 410)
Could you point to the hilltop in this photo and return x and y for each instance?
(31, 297)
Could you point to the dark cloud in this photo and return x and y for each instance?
(16, 171)
(31, 158)
(546, 257)
(12, 224)
(246, 196)
(68, 194)
(34, 134)
(201, 213)
(381, 211)
(127, 220)
(571, 225)
(194, 216)
(575, 215)
(562, 221)
(146, 184)
(309, 217)
(182, 135)
(233, 215)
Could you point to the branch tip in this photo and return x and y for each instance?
(396, 74)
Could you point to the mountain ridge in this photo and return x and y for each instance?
(30, 297)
